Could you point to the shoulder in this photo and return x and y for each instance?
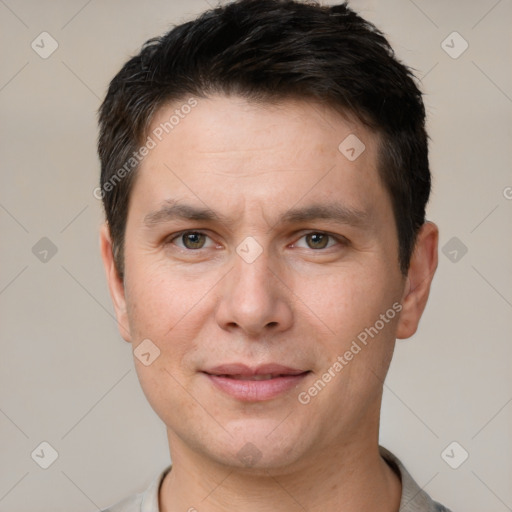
(413, 498)
(439, 508)
(146, 501)
(130, 504)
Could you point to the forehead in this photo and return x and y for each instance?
(271, 153)
(233, 124)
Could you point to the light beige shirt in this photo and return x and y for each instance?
(413, 498)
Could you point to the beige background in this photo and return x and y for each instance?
(67, 378)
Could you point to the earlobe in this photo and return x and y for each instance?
(115, 283)
(419, 278)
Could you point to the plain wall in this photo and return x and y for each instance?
(66, 376)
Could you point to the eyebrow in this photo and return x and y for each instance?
(328, 211)
(172, 210)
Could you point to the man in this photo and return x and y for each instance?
(264, 177)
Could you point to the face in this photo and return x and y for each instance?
(262, 262)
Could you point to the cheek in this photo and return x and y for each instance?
(349, 306)
(162, 311)
(347, 302)
(165, 391)
(160, 300)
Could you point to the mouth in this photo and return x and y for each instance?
(267, 376)
(255, 384)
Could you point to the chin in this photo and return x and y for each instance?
(262, 445)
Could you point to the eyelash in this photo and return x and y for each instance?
(339, 239)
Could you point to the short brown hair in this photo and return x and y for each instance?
(267, 50)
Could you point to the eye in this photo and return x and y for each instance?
(317, 240)
(191, 240)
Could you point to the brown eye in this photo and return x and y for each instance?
(317, 240)
(193, 240)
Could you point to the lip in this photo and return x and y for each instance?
(232, 380)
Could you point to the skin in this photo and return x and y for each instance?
(299, 304)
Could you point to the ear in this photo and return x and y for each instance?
(419, 277)
(115, 283)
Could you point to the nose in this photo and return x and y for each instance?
(254, 300)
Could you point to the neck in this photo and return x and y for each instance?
(350, 479)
